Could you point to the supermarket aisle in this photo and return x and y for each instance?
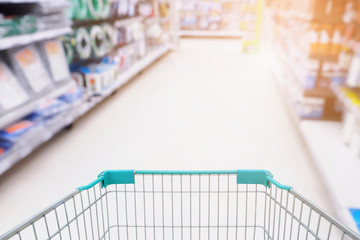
(204, 106)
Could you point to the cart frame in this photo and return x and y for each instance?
(238, 204)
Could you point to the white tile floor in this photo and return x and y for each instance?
(204, 106)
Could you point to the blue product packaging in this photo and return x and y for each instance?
(5, 145)
(51, 108)
(14, 131)
(72, 95)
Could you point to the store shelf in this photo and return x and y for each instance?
(19, 40)
(41, 134)
(32, 105)
(127, 21)
(307, 17)
(38, 136)
(281, 82)
(28, 1)
(141, 65)
(316, 92)
(338, 166)
(90, 22)
(205, 33)
(132, 71)
(23, 1)
(124, 77)
(293, 44)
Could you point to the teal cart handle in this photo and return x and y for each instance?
(109, 177)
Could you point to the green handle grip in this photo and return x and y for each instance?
(109, 177)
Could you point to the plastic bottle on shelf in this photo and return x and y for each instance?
(313, 36)
(336, 42)
(324, 40)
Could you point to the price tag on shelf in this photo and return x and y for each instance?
(11, 92)
(33, 68)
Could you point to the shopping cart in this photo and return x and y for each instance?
(128, 204)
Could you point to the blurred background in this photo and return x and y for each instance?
(90, 85)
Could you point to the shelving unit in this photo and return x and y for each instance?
(281, 82)
(337, 165)
(43, 133)
(81, 23)
(23, 1)
(32, 105)
(194, 33)
(19, 40)
(225, 18)
(128, 20)
(38, 136)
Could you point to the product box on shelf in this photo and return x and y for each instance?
(55, 60)
(113, 69)
(120, 33)
(314, 9)
(126, 56)
(313, 39)
(120, 59)
(306, 72)
(30, 70)
(93, 78)
(331, 74)
(79, 79)
(153, 34)
(74, 94)
(16, 130)
(48, 110)
(304, 107)
(310, 108)
(97, 77)
(11, 92)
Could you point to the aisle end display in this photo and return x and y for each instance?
(221, 18)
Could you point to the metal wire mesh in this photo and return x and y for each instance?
(182, 206)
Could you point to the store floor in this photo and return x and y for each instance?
(204, 106)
